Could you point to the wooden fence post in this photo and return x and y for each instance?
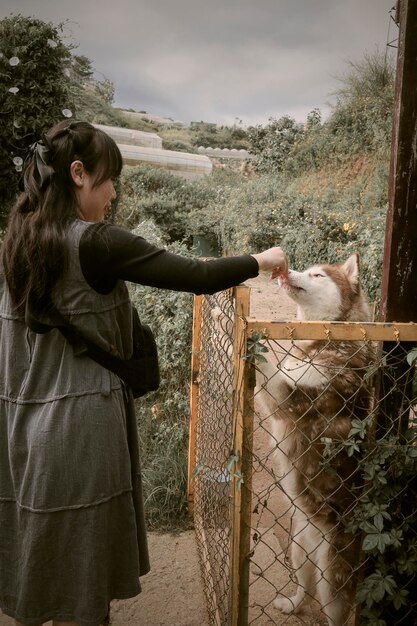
(194, 396)
(242, 478)
(399, 281)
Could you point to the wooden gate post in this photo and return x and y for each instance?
(194, 397)
(242, 479)
(399, 281)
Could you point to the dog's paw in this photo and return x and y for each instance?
(285, 605)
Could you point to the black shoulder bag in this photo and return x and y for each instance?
(140, 372)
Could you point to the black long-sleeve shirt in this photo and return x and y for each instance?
(110, 253)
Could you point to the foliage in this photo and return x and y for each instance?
(149, 193)
(371, 75)
(81, 70)
(35, 91)
(90, 106)
(178, 146)
(272, 143)
(239, 215)
(92, 97)
(213, 136)
(163, 415)
(255, 349)
(105, 90)
(359, 123)
(92, 93)
(385, 515)
(248, 216)
(186, 138)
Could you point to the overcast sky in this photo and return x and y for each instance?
(218, 60)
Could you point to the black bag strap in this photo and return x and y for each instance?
(140, 373)
(81, 344)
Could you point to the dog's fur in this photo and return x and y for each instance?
(317, 391)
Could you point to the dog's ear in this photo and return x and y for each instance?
(351, 269)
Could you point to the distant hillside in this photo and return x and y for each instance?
(175, 134)
(350, 148)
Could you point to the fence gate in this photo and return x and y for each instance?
(302, 482)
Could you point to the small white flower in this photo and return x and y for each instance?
(18, 161)
(66, 113)
(51, 43)
(14, 90)
(14, 61)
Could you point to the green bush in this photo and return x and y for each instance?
(163, 415)
(213, 136)
(34, 93)
(360, 123)
(89, 106)
(273, 143)
(238, 215)
(150, 193)
(178, 146)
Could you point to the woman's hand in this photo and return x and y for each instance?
(273, 260)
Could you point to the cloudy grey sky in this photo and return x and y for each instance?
(218, 60)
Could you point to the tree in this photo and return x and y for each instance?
(104, 89)
(272, 143)
(34, 68)
(81, 69)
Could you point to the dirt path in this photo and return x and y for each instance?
(172, 593)
(268, 300)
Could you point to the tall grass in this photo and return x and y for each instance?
(163, 416)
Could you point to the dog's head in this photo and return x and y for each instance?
(328, 292)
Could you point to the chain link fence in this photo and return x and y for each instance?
(304, 479)
(213, 436)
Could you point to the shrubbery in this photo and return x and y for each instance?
(163, 415)
(34, 93)
(360, 123)
(42, 82)
(149, 193)
(248, 216)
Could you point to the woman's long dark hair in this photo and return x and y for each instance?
(34, 254)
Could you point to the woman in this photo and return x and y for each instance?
(72, 532)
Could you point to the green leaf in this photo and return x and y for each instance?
(370, 542)
(256, 349)
(412, 357)
(400, 598)
(379, 521)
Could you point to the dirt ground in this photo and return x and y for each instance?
(268, 300)
(172, 593)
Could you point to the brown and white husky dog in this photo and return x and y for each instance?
(318, 389)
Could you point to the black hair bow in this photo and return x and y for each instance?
(40, 152)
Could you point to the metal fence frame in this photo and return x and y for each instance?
(242, 426)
